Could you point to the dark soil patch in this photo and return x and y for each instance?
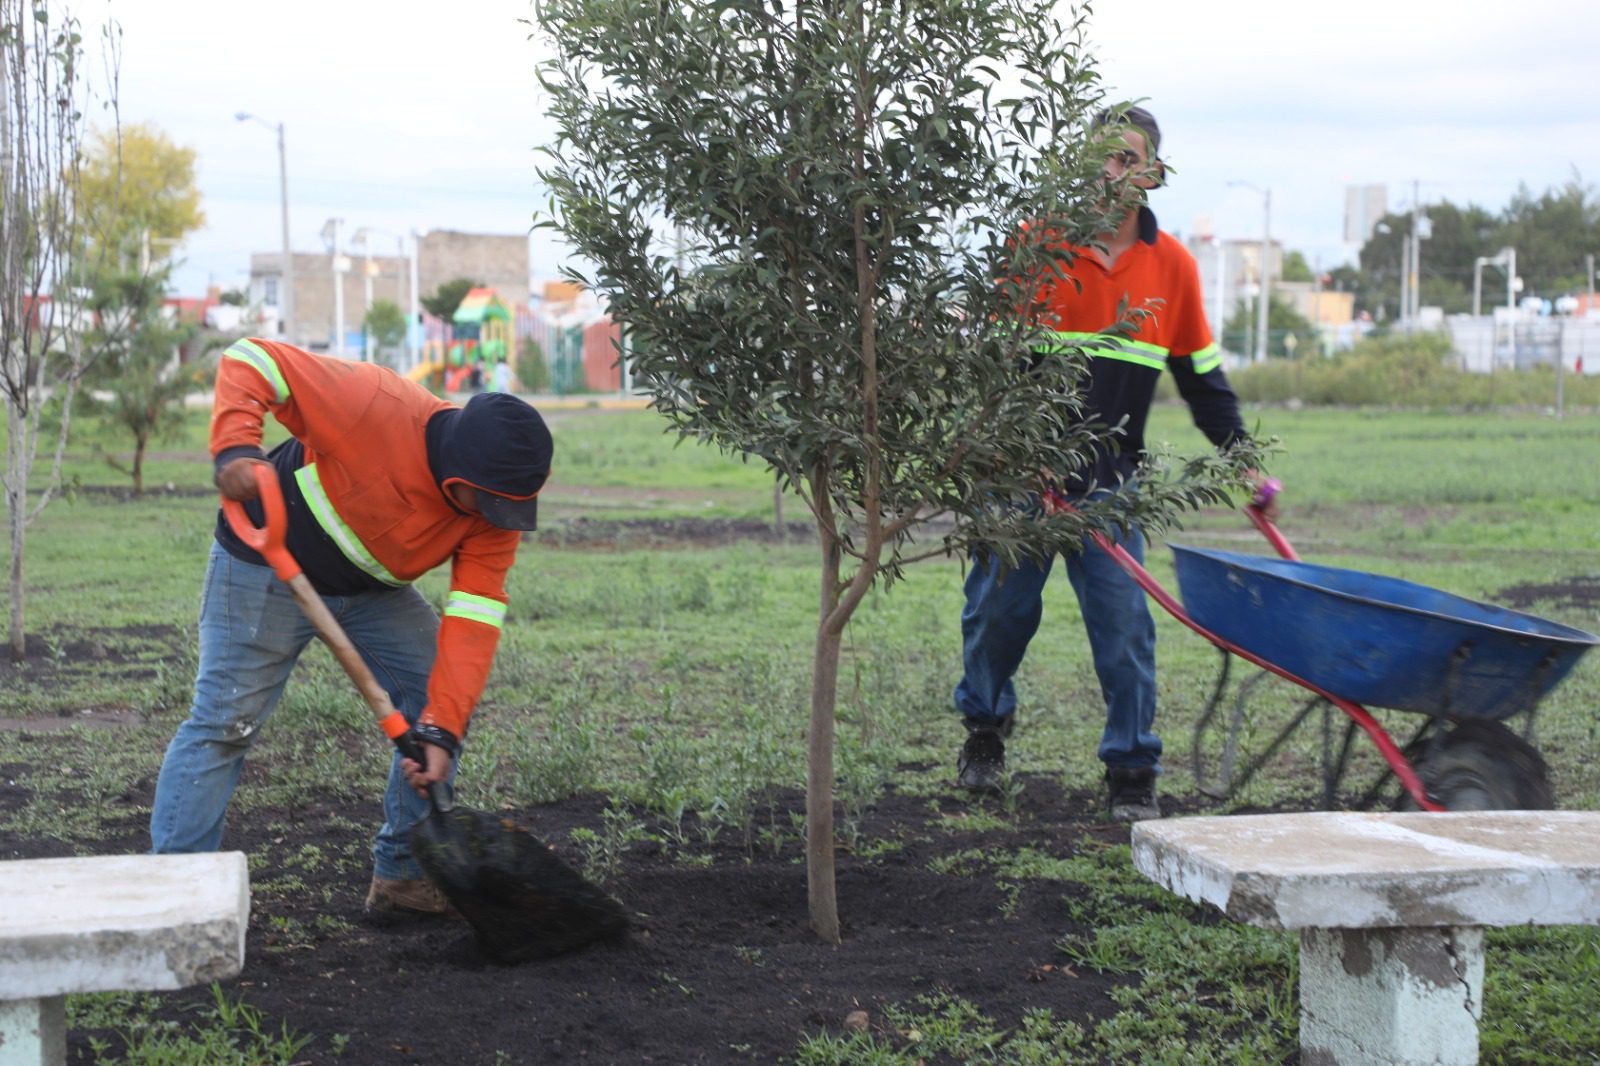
(720, 966)
(633, 533)
(1578, 592)
(151, 488)
(57, 654)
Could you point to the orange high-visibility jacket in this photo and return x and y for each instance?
(367, 482)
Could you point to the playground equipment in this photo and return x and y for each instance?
(480, 337)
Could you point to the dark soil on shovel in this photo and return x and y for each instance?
(719, 966)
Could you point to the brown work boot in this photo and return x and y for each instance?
(416, 896)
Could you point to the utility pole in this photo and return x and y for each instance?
(1265, 272)
(285, 298)
(330, 233)
(1266, 275)
(1405, 282)
(414, 334)
(1222, 284)
(1415, 309)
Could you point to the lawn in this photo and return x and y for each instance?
(646, 717)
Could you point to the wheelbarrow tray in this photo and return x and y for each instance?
(1378, 641)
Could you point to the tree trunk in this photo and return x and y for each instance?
(19, 644)
(140, 441)
(821, 895)
(16, 501)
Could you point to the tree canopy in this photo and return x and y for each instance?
(138, 194)
(1552, 232)
(443, 301)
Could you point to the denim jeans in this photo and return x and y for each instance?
(1001, 617)
(251, 633)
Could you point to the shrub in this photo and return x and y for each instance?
(1399, 371)
(530, 368)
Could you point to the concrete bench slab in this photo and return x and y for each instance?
(110, 923)
(1390, 909)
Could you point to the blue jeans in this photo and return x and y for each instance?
(251, 633)
(1001, 618)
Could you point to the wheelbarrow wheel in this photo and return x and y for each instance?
(1480, 765)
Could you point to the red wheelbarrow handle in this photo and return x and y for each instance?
(1269, 529)
(269, 541)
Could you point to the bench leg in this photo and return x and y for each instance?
(1390, 997)
(33, 1032)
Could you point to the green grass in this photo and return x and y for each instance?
(232, 1034)
(676, 682)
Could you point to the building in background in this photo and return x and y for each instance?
(1364, 206)
(493, 260)
(1321, 307)
(1230, 272)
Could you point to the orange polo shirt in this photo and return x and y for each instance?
(1157, 274)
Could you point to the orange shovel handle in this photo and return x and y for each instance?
(267, 539)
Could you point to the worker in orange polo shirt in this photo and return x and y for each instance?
(1138, 263)
(382, 481)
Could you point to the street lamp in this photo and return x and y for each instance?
(1506, 258)
(1265, 285)
(286, 297)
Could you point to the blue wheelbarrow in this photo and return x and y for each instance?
(1356, 640)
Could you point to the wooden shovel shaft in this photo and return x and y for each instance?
(333, 635)
(271, 541)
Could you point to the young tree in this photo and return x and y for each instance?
(136, 361)
(385, 323)
(531, 369)
(43, 96)
(803, 210)
(138, 198)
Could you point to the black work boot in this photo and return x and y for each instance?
(1132, 793)
(982, 763)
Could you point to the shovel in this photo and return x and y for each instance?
(520, 898)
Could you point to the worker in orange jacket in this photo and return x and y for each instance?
(382, 482)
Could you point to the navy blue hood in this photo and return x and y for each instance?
(499, 445)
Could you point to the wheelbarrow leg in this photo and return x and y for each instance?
(1410, 749)
(1333, 771)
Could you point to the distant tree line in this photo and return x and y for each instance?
(1552, 233)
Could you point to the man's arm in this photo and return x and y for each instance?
(1212, 401)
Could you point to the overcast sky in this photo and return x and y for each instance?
(403, 117)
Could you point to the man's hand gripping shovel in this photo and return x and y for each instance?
(520, 898)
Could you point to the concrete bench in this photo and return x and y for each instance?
(1391, 910)
(119, 923)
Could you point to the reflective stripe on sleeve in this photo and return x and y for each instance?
(316, 497)
(259, 360)
(475, 609)
(1206, 359)
(1107, 346)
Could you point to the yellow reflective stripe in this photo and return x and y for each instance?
(1106, 346)
(1206, 359)
(1068, 339)
(258, 359)
(1156, 362)
(475, 609)
(316, 497)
